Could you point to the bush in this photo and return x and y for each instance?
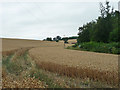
(114, 35)
(114, 50)
(113, 47)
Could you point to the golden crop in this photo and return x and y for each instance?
(52, 56)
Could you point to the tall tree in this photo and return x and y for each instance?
(104, 29)
(102, 10)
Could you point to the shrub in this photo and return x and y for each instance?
(101, 47)
(114, 50)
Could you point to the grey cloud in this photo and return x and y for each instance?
(40, 20)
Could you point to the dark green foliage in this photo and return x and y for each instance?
(102, 35)
(65, 39)
(58, 38)
(101, 47)
(48, 39)
(114, 35)
(104, 29)
(72, 37)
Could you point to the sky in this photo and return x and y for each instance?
(39, 20)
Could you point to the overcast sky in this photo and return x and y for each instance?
(38, 20)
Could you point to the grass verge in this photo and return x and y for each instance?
(24, 72)
(18, 67)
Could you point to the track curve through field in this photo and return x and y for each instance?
(55, 52)
(53, 57)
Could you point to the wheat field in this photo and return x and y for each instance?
(53, 57)
(73, 58)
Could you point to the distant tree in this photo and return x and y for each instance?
(58, 38)
(65, 39)
(84, 35)
(107, 8)
(102, 10)
(54, 39)
(49, 39)
(73, 37)
(104, 24)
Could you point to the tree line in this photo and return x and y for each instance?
(57, 38)
(104, 29)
